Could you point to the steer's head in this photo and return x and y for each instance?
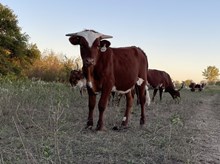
(91, 44)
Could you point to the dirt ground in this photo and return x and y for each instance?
(206, 126)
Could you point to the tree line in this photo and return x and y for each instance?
(19, 58)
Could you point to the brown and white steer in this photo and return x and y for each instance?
(111, 69)
(160, 80)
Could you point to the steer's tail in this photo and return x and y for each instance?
(137, 93)
(148, 100)
(147, 96)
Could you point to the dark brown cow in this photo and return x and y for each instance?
(193, 86)
(160, 80)
(110, 69)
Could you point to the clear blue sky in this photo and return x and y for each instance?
(181, 37)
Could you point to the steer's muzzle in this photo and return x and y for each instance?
(89, 61)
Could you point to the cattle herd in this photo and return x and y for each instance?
(193, 86)
(124, 70)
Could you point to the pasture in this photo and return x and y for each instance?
(44, 123)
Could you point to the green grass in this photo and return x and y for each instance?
(44, 123)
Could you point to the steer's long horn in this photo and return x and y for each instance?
(71, 34)
(103, 36)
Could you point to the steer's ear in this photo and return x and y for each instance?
(78, 40)
(75, 40)
(105, 43)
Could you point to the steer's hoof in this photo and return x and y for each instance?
(119, 128)
(100, 128)
(124, 123)
(142, 121)
(115, 128)
(88, 127)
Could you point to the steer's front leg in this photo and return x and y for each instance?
(129, 103)
(102, 105)
(92, 102)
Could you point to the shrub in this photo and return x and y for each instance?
(52, 67)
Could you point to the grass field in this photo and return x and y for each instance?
(44, 123)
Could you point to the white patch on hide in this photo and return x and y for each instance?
(122, 92)
(81, 83)
(124, 119)
(89, 84)
(113, 89)
(147, 96)
(140, 81)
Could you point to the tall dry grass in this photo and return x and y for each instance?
(52, 67)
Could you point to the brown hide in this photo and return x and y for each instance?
(117, 67)
(161, 80)
(106, 68)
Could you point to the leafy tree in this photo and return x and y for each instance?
(16, 54)
(211, 73)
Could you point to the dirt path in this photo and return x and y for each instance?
(206, 125)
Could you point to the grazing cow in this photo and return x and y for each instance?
(77, 79)
(193, 86)
(161, 80)
(111, 69)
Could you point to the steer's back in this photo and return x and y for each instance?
(159, 78)
(129, 64)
